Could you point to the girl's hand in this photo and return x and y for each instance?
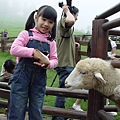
(40, 63)
(35, 54)
(43, 59)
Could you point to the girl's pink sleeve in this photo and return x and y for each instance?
(53, 56)
(19, 48)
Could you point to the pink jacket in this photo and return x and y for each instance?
(19, 48)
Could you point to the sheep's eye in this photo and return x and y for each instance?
(83, 72)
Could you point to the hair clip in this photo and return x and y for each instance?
(35, 10)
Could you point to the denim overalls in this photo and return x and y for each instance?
(28, 85)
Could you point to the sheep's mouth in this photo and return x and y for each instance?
(70, 87)
(67, 86)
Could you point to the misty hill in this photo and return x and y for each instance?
(13, 26)
(13, 13)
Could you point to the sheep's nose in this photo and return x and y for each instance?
(66, 82)
(67, 85)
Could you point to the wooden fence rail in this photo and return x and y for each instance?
(6, 42)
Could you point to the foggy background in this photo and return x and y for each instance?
(14, 13)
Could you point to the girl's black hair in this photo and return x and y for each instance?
(9, 65)
(46, 12)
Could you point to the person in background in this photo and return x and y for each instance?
(112, 49)
(7, 70)
(28, 82)
(76, 105)
(112, 56)
(66, 50)
(5, 33)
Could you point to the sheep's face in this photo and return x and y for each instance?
(85, 76)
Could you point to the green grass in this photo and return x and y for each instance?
(13, 31)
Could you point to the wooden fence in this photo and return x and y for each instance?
(5, 43)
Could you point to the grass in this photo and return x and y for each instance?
(14, 31)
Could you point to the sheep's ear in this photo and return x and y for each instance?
(100, 77)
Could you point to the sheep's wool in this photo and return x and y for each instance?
(85, 75)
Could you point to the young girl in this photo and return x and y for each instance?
(29, 78)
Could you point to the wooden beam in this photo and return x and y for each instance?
(105, 116)
(64, 112)
(68, 113)
(115, 63)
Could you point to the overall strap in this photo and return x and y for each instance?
(30, 33)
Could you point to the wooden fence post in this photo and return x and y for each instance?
(99, 49)
(77, 50)
(2, 44)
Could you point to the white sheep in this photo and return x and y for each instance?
(98, 74)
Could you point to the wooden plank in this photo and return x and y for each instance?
(118, 46)
(77, 93)
(68, 113)
(84, 43)
(3, 104)
(64, 112)
(4, 85)
(110, 108)
(115, 63)
(56, 111)
(83, 53)
(83, 94)
(102, 114)
(4, 93)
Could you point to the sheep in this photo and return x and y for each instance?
(97, 74)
